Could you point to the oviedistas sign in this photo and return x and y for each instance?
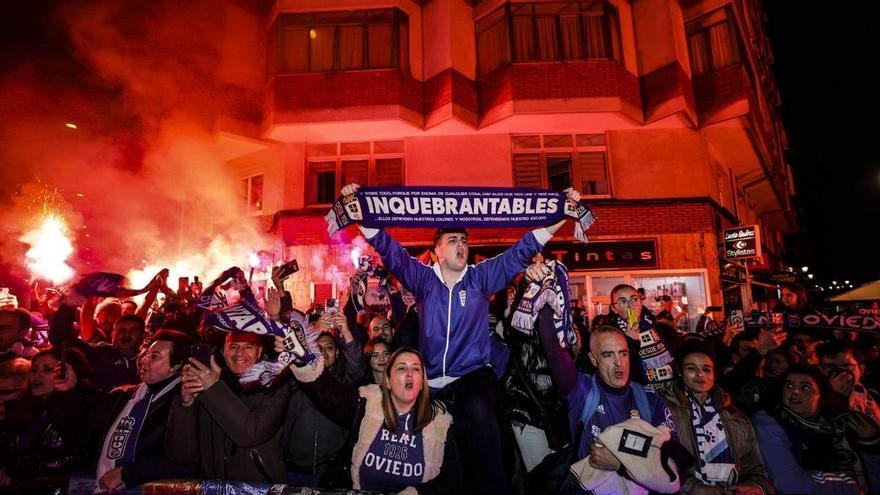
(742, 242)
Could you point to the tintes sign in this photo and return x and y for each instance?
(742, 242)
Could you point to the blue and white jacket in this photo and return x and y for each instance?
(453, 321)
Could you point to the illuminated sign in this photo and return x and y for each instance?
(742, 242)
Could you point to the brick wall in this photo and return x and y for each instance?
(551, 80)
(715, 90)
(327, 90)
(664, 84)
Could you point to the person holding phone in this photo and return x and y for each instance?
(45, 438)
(651, 363)
(230, 431)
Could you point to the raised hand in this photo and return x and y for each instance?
(349, 189)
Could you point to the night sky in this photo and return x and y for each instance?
(826, 61)
(826, 65)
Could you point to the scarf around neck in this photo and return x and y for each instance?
(716, 465)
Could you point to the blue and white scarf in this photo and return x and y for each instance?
(715, 465)
(122, 437)
(367, 269)
(553, 290)
(377, 207)
(246, 316)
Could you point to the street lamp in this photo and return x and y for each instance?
(805, 269)
(810, 276)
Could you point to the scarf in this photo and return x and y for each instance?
(120, 443)
(377, 207)
(716, 465)
(366, 270)
(211, 298)
(246, 316)
(655, 358)
(553, 290)
(821, 446)
(107, 285)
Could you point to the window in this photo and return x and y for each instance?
(336, 41)
(527, 32)
(252, 193)
(712, 42)
(559, 161)
(333, 165)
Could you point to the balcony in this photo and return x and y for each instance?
(317, 106)
(559, 87)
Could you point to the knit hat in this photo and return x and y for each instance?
(636, 444)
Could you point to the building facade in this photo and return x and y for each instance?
(663, 113)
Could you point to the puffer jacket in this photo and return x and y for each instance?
(740, 436)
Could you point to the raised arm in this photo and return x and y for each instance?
(337, 401)
(495, 273)
(561, 364)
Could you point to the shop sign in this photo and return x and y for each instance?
(742, 242)
(605, 255)
(597, 255)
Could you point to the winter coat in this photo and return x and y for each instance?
(231, 433)
(739, 431)
(44, 439)
(362, 409)
(150, 462)
(312, 442)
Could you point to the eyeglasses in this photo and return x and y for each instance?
(622, 301)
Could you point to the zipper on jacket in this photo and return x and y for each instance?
(448, 325)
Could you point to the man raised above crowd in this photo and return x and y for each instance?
(453, 306)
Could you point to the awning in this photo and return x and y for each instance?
(867, 292)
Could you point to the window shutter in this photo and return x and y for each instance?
(527, 170)
(593, 174)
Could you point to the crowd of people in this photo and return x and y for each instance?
(472, 379)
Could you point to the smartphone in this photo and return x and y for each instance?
(182, 284)
(331, 305)
(202, 352)
(684, 300)
(288, 269)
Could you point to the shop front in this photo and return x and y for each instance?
(595, 268)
